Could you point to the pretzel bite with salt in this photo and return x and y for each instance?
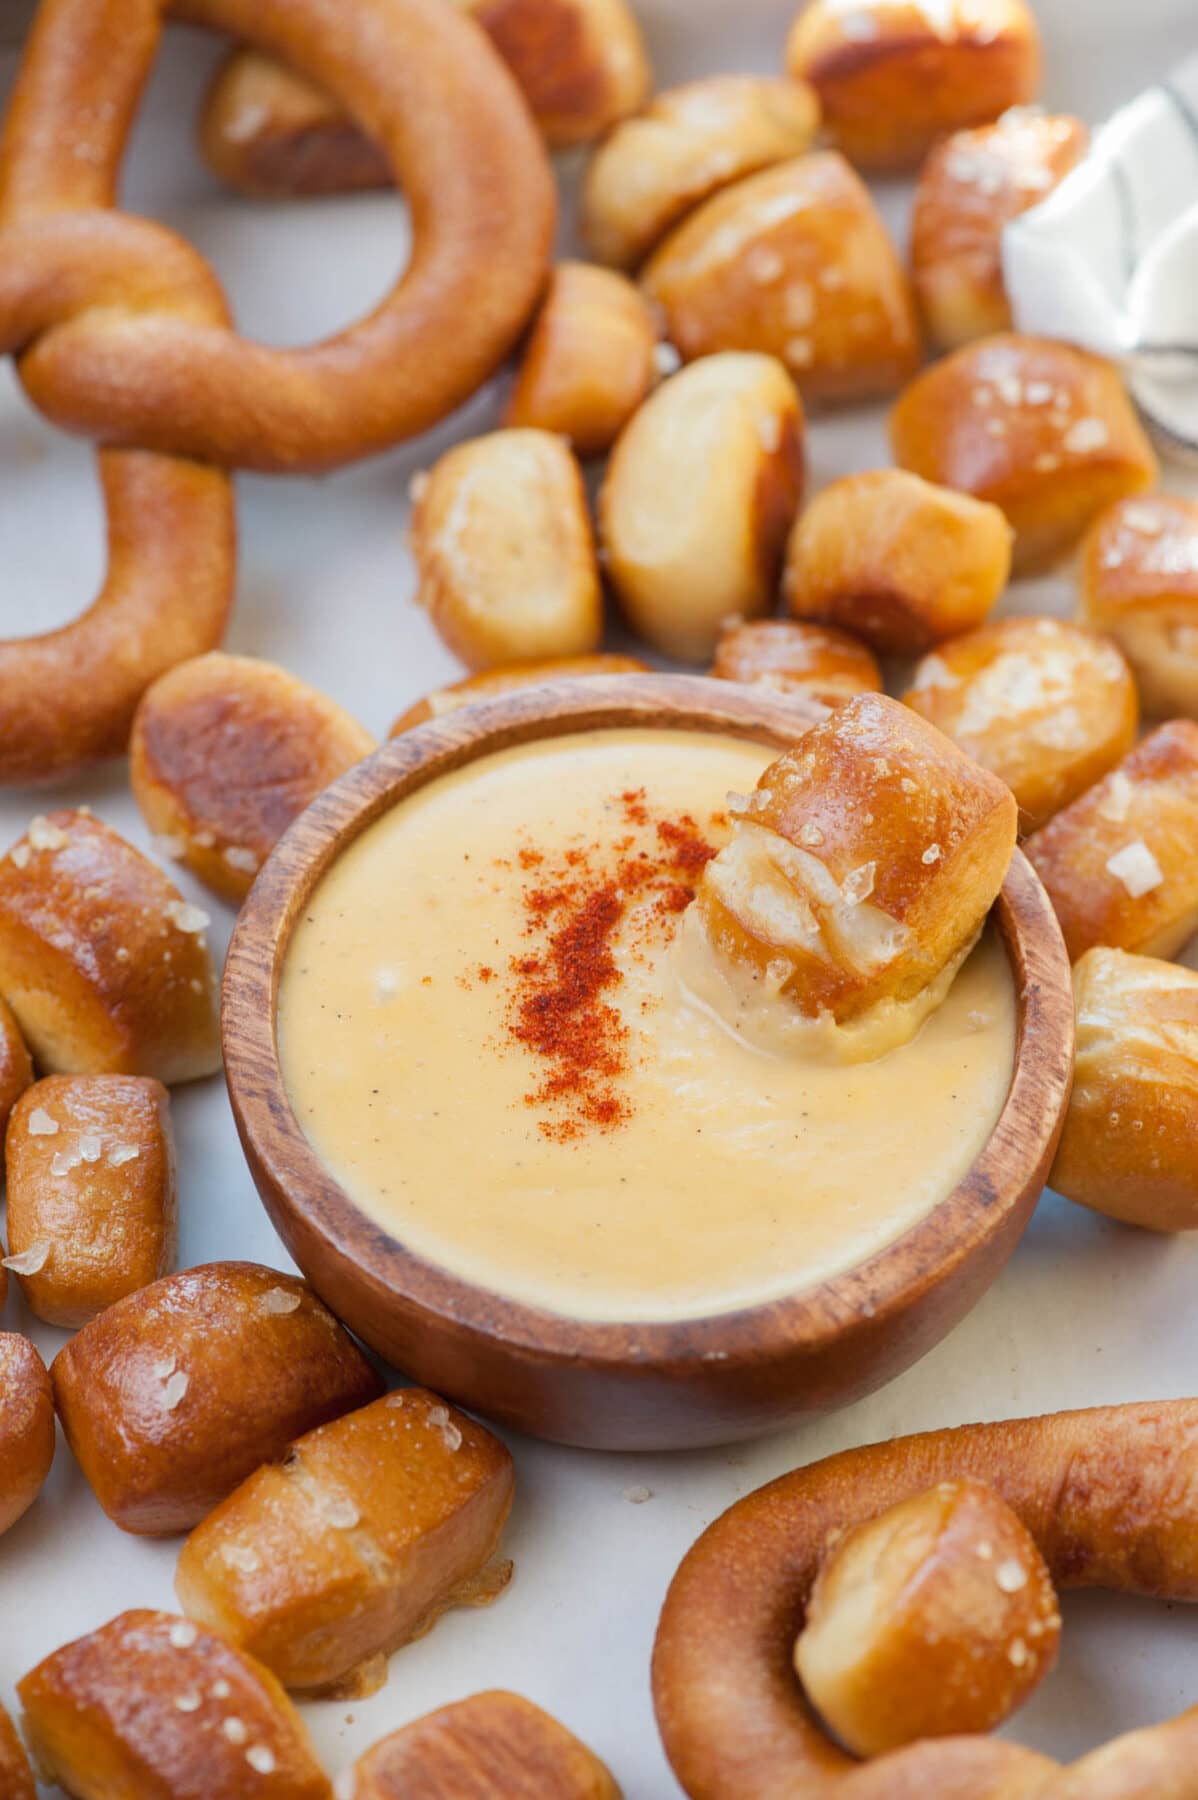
(102, 961)
(794, 262)
(590, 360)
(151, 1705)
(894, 75)
(970, 187)
(896, 561)
(226, 751)
(493, 682)
(856, 880)
(698, 499)
(357, 1541)
(1039, 428)
(92, 1210)
(935, 1618)
(1139, 582)
(687, 144)
(1121, 862)
(1048, 707)
(174, 1395)
(16, 1070)
(26, 1428)
(788, 657)
(16, 1777)
(493, 1743)
(502, 539)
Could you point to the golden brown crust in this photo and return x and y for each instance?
(1048, 707)
(1139, 582)
(934, 1618)
(894, 75)
(104, 964)
(226, 751)
(366, 1531)
(16, 1071)
(493, 682)
(582, 64)
(493, 1743)
(590, 360)
(1043, 430)
(794, 262)
(26, 1427)
(699, 496)
(92, 1208)
(504, 552)
(1121, 863)
(174, 1395)
(153, 1706)
(896, 560)
(789, 657)
(1127, 1149)
(686, 145)
(970, 187)
(16, 1777)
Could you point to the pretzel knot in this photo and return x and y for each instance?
(1110, 1496)
(121, 331)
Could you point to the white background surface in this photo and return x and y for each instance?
(1085, 1312)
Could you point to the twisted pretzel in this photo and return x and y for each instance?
(1110, 1496)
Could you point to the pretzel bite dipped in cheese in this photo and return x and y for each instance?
(935, 1618)
(493, 1743)
(26, 1429)
(509, 680)
(92, 1210)
(226, 751)
(368, 1529)
(1139, 582)
(1043, 430)
(787, 656)
(502, 539)
(894, 75)
(970, 187)
(16, 1777)
(795, 262)
(897, 561)
(856, 880)
(150, 1705)
(687, 144)
(1121, 862)
(16, 1070)
(1048, 707)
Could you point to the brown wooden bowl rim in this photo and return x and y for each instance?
(954, 1231)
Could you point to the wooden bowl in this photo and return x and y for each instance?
(639, 1386)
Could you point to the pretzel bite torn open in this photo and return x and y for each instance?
(857, 878)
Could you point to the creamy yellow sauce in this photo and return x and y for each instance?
(711, 1175)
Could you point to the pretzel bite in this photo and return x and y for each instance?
(699, 496)
(492, 1743)
(16, 1777)
(1048, 707)
(936, 1617)
(174, 1395)
(92, 1213)
(794, 262)
(26, 1428)
(103, 962)
(590, 360)
(1139, 582)
(791, 658)
(493, 682)
(688, 143)
(150, 1705)
(857, 878)
(970, 187)
(1121, 863)
(894, 75)
(896, 560)
(226, 752)
(16, 1070)
(1045, 431)
(504, 552)
(356, 1542)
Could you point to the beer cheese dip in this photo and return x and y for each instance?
(486, 1034)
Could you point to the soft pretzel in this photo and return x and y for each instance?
(16, 1777)
(26, 1427)
(368, 1529)
(152, 1705)
(490, 1744)
(1108, 1496)
(1139, 582)
(174, 1395)
(790, 657)
(16, 1071)
(513, 676)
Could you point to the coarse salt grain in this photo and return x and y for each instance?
(810, 835)
(636, 1496)
(1117, 798)
(220, 1689)
(174, 1388)
(20, 855)
(183, 1634)
(1086, 435)
(931, 855)
(858, 884)
(1038, 393)
(1018, 1653)
(261, 1758)
(120, 1154)
(341, 1514)
(31, 1261)
(41, 1124)
(187, 1703)
(1011, 1576)
(1141, 518)
(63, 1161)
(1137, 868)
(91, 1148)
(242, 1558)
(235, 1729)
(173, 848)
(186, 917)
(280, 1300)
(238, 857)
(43, 835)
